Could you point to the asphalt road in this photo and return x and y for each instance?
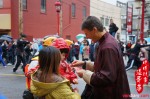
(12, 84)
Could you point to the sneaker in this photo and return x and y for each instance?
(5, 66)
(14, 70)
(9, 64)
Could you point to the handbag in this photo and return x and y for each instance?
(27, 95)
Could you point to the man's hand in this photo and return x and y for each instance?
(77, 63)
(76, 90)
(80, 73)
(75, 81)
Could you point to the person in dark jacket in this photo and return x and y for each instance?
(134, 52)
(1, 59)
(21, 43)
(76, 49)
(106, 76)
(14, 46)
(112, 28)
(9, 54)
(5, 50)
(28, 51)
(70, 58)
(92, 51)
(121, 46)
(128, 46)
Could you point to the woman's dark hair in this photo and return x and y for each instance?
(49, 60)
(91, 22)
(87, 42)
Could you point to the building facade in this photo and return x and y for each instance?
(136, 21)
(105, 11)
(39, 17)
(5, 17)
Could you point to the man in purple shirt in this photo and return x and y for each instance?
(106, 76)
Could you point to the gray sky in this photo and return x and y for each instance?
(114, 1)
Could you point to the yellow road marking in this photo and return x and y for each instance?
(143, 85)
(12, 75)
(21, 75)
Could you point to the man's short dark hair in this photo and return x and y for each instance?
(23, 35)
(91, 22)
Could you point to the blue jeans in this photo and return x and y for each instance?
(2, 61)
(113, 34)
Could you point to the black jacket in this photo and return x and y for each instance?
(21, 45)
(136, 49)
(113, 28)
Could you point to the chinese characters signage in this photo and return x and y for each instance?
(129, 19)
(141, 76)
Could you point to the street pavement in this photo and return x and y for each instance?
(12, 84)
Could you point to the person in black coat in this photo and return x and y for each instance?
(112, 28)
(92, 51)
(28, 51)
(21, 43)
(5, 50)
(134, 52)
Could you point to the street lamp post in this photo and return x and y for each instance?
(142, 21)
(58, 8)
(138, 27)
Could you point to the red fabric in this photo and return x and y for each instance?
(31, 71)
(66, 71)
(129, 45)
(28, 74)
(60, 44)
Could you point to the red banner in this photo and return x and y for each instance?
(129, 19)
(141, 76)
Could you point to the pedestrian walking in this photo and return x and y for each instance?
(5, 50)
(134, 55)
(113, 28)
(92, 51)
(21, 43)
(86, 50)
(128, 45)
(76, 49)
(70, 57)
(1, 58)
(106, 78)
(46, 81)
(9, 54)
(35, 47)
(14, 46)
(28, 50)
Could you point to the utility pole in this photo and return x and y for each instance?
(20, 16)
(126, 22)
(142, 21)
(61, 19)
(139, 13)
